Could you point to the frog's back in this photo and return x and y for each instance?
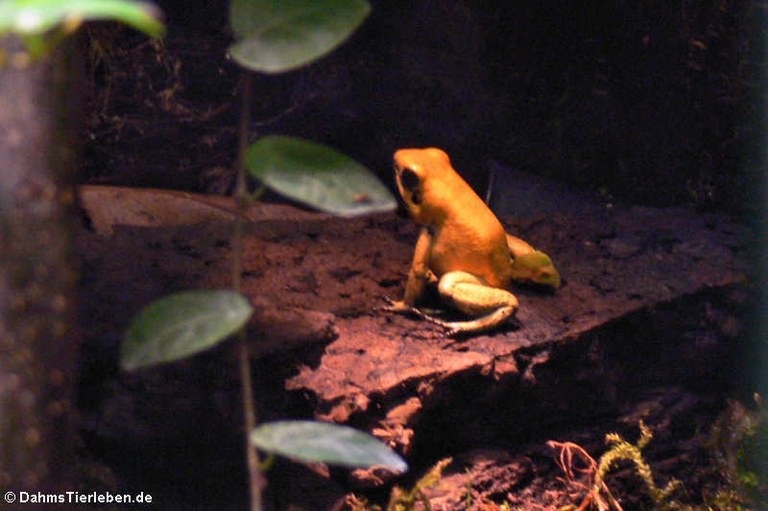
(474, 243)
(471, 237)
(467, 235)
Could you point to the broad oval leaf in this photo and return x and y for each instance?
(313, 441)
(181, 325)
(274, 37)
(28, 17)
(318, 176)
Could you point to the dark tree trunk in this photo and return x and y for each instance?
(38, 346)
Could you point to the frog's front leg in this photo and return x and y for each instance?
(473, 296)
(420, 277)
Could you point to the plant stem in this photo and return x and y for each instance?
(241, 200)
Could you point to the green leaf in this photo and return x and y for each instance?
(317, 175)
(181, 325)
(39, 16)
(280, 36)
(327, 443)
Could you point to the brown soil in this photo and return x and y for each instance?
(648, 326)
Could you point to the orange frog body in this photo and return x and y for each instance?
(462, 248)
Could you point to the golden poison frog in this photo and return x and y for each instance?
(462, 248)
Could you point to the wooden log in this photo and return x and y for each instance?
(652, 298)
(615, 262)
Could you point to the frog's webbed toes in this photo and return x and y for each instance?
(399, 307)
(454, 328)
(392, 305)
(482, 324)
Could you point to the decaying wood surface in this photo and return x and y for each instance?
(640, 284)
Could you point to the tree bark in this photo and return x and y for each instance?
(38, 347)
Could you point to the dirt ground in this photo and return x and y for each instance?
(598, 356)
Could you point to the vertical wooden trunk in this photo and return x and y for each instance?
(38, 346)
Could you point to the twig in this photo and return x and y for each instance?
(241, 198)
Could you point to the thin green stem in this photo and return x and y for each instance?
(256, 195)
(241, 201)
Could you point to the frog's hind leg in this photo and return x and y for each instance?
(473, 296)
(518, 247)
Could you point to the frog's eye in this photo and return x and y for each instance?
(409, 179)
(417, 196)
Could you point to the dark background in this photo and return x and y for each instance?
(655, 102)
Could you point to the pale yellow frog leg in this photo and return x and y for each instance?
(536, 268)
(531, 265)
(473, 296)
(518, 247)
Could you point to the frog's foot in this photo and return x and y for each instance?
(399, 307)
(499, 314)
(472, 296)
(474, 326)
